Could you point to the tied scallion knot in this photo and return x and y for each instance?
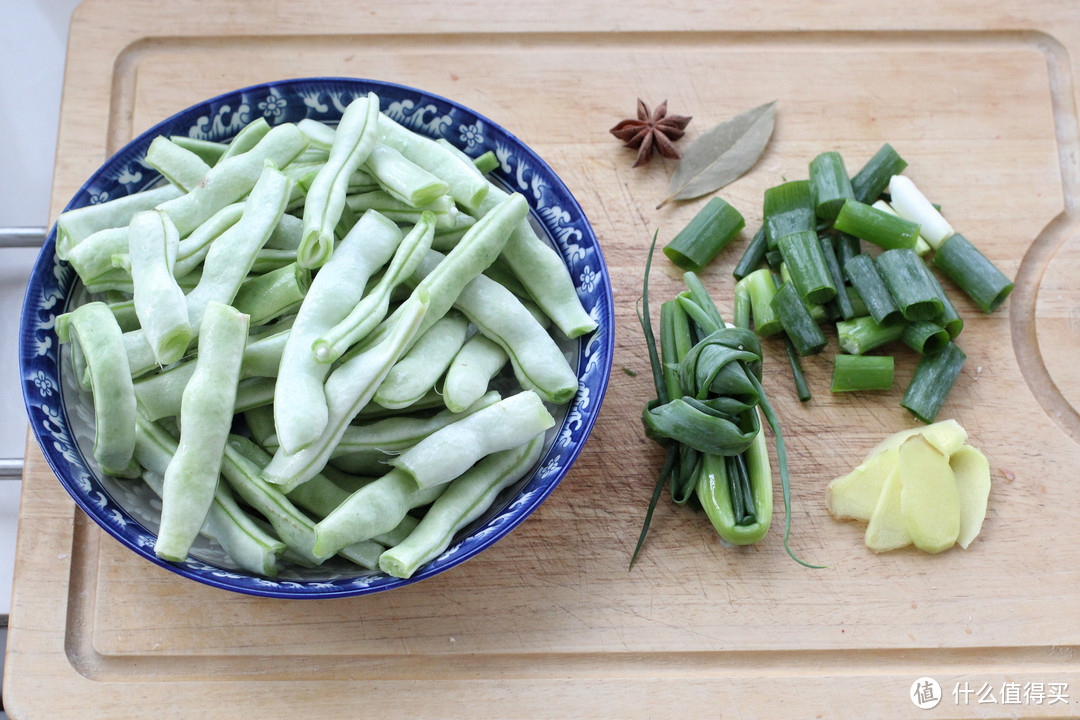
(706, 415)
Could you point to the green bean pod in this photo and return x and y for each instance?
(94, 329)
(425, 362)
(92, 259)
(366, 314)
(402, 178)
(446, 453)
(349, 388)
(176, 164)
(300, 410)
(372, 510)
(74, 226)
(471, 371)
(159, 301)
(206, 413)
(465, 185)
(232, 179)
(463, 501)
(354, 140)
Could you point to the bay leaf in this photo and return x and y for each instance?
(722, 154)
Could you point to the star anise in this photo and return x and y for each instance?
(652, 130)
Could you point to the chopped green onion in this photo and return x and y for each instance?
(861, 335)
(802, 389)
(925, 338)
(843, 302)
(847, 247)
(879, 302)
(830, 184)
(905, 275)
(800, 327)
(876, 226)
(858, 307)
(761, 289)
(705, 236)
(753, 256)
(950, 319)
(921, 246)
(809, 272)
(871, 181)
(774, 258)
(855, 373)
(933, 379)
(789, 208)
(911, 204)
(973, 272)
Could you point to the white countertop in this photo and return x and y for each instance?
(33, 41)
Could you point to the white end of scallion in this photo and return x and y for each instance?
(910, 204)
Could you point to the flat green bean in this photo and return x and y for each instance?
(348, 389)
(74, 226)
(463, 501)
(246, 543)
(537, 361)
(464, 184)
(425, 362)
(248, 137)
(353, 143)
(206, 414)
(272, 294)
(300, 410)
(447, 453)
(338, 337)
(159, 301)
(101, 344)
(208, 150)
(232, 179)
(176, 164)
(471, 370)
(402, 178)
(543, 273)
(192, 250)
(372, 510)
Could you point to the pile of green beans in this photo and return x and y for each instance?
(274, 344)
(885, 290)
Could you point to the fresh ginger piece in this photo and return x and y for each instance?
(887, 529)
(972, 472)
(929, 498)
(856, 494)
(948, 436)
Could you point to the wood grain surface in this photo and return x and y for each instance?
(980, 98)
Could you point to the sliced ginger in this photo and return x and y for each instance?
(923, 486)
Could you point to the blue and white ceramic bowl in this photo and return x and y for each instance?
(62, 417)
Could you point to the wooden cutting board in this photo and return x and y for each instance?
(980, 97)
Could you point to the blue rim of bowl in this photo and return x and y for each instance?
(218, 118)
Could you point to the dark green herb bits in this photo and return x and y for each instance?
(789, 208)
(705, 236)
(830, 184)
(973, 272)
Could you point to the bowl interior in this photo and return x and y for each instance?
(61, 415)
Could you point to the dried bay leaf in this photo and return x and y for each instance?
(722, 154)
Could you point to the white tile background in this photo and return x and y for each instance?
(33, 40)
